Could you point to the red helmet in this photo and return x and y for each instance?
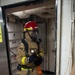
(30, 26)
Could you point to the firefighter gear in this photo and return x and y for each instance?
(32, 26)
(29, 52)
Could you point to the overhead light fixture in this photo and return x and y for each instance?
(0, 9)
(1, 20)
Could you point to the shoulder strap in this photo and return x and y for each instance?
(25, 44)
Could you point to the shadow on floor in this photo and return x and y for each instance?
(47, 73)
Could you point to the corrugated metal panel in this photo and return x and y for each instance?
(15, 36)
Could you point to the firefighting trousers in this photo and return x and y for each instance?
(27, 72)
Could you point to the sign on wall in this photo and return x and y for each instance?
(1, 40)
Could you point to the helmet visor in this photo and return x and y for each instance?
(35, 35)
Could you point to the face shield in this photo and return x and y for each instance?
(35, 36)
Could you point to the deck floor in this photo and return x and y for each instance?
(45, 73)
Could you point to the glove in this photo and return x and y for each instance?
(32, 58)
(38, 61)
(19, 67)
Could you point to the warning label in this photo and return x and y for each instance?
(1, 40)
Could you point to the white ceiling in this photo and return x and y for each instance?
(44, 12)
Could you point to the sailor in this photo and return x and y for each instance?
(30, 53)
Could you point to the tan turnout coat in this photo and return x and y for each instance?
(21, 53)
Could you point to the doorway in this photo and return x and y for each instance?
(43, 13)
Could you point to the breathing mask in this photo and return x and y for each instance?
(35, 36)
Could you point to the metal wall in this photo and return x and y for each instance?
(3, 56)
(14, 37)
(42, 30)
(51, 44)
(3, 53)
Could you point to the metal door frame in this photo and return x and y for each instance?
(6, 33)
